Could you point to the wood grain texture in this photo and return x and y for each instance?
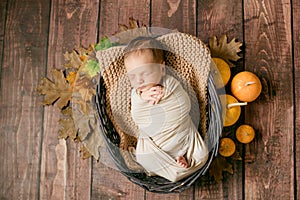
(21, 114)
(64, 174)
(115, 12)
(1, 56)
(3, 4)
(216, 18)
(185, 195)
(269, 55)
(3, 13)
(183, 16)
(109, 183)
(296, 56)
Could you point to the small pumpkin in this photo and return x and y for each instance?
(245, 134)
(223, 70)
(227, 147)
(233, 110)
(246, 86)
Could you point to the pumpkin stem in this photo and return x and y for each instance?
(249, 83)
(236, 104)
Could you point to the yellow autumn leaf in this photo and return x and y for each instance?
(71, 77)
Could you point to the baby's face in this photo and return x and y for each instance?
(142, 70)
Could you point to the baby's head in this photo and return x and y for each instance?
(144, 61)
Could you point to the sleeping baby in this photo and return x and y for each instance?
(169, 145)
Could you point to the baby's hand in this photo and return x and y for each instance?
(153, 95)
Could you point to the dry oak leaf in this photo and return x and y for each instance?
(125, 34)
(85, 123)
(84, 152)
(83, 92)
(217, 167)
(88, 128)
(58, 91)
(77, 57)
(236, 156)
(133, 23)
(68, 128)
(83, 105)
(73, 60)
(226, 51)
(87, 94)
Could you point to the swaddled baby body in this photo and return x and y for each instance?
(169, 144)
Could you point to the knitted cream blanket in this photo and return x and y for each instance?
(166, 132)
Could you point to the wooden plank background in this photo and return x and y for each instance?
(34, 34)
(296, 65)
(269, 54)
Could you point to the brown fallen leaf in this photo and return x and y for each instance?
(133, 23)
(84, 91)
(236, 156)
(73, 60)
(77, 57)
(58, 91)
(87, 94)
(122, 27)
(86, 87)
(88, 129)
(68, 128)
(83, 106)
(126, 33)
(217, 167)
(226, 51)
(84, 153)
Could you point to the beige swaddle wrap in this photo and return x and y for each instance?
(166, 132)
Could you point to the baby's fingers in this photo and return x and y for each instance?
(148, 97)
(154, 93)
(152, 102)
(156, 88)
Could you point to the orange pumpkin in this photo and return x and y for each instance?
(246, 86)
(245, 134)
(224, 70)
(227, 147)
(233, 110)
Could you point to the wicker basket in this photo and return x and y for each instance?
(117, 141)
